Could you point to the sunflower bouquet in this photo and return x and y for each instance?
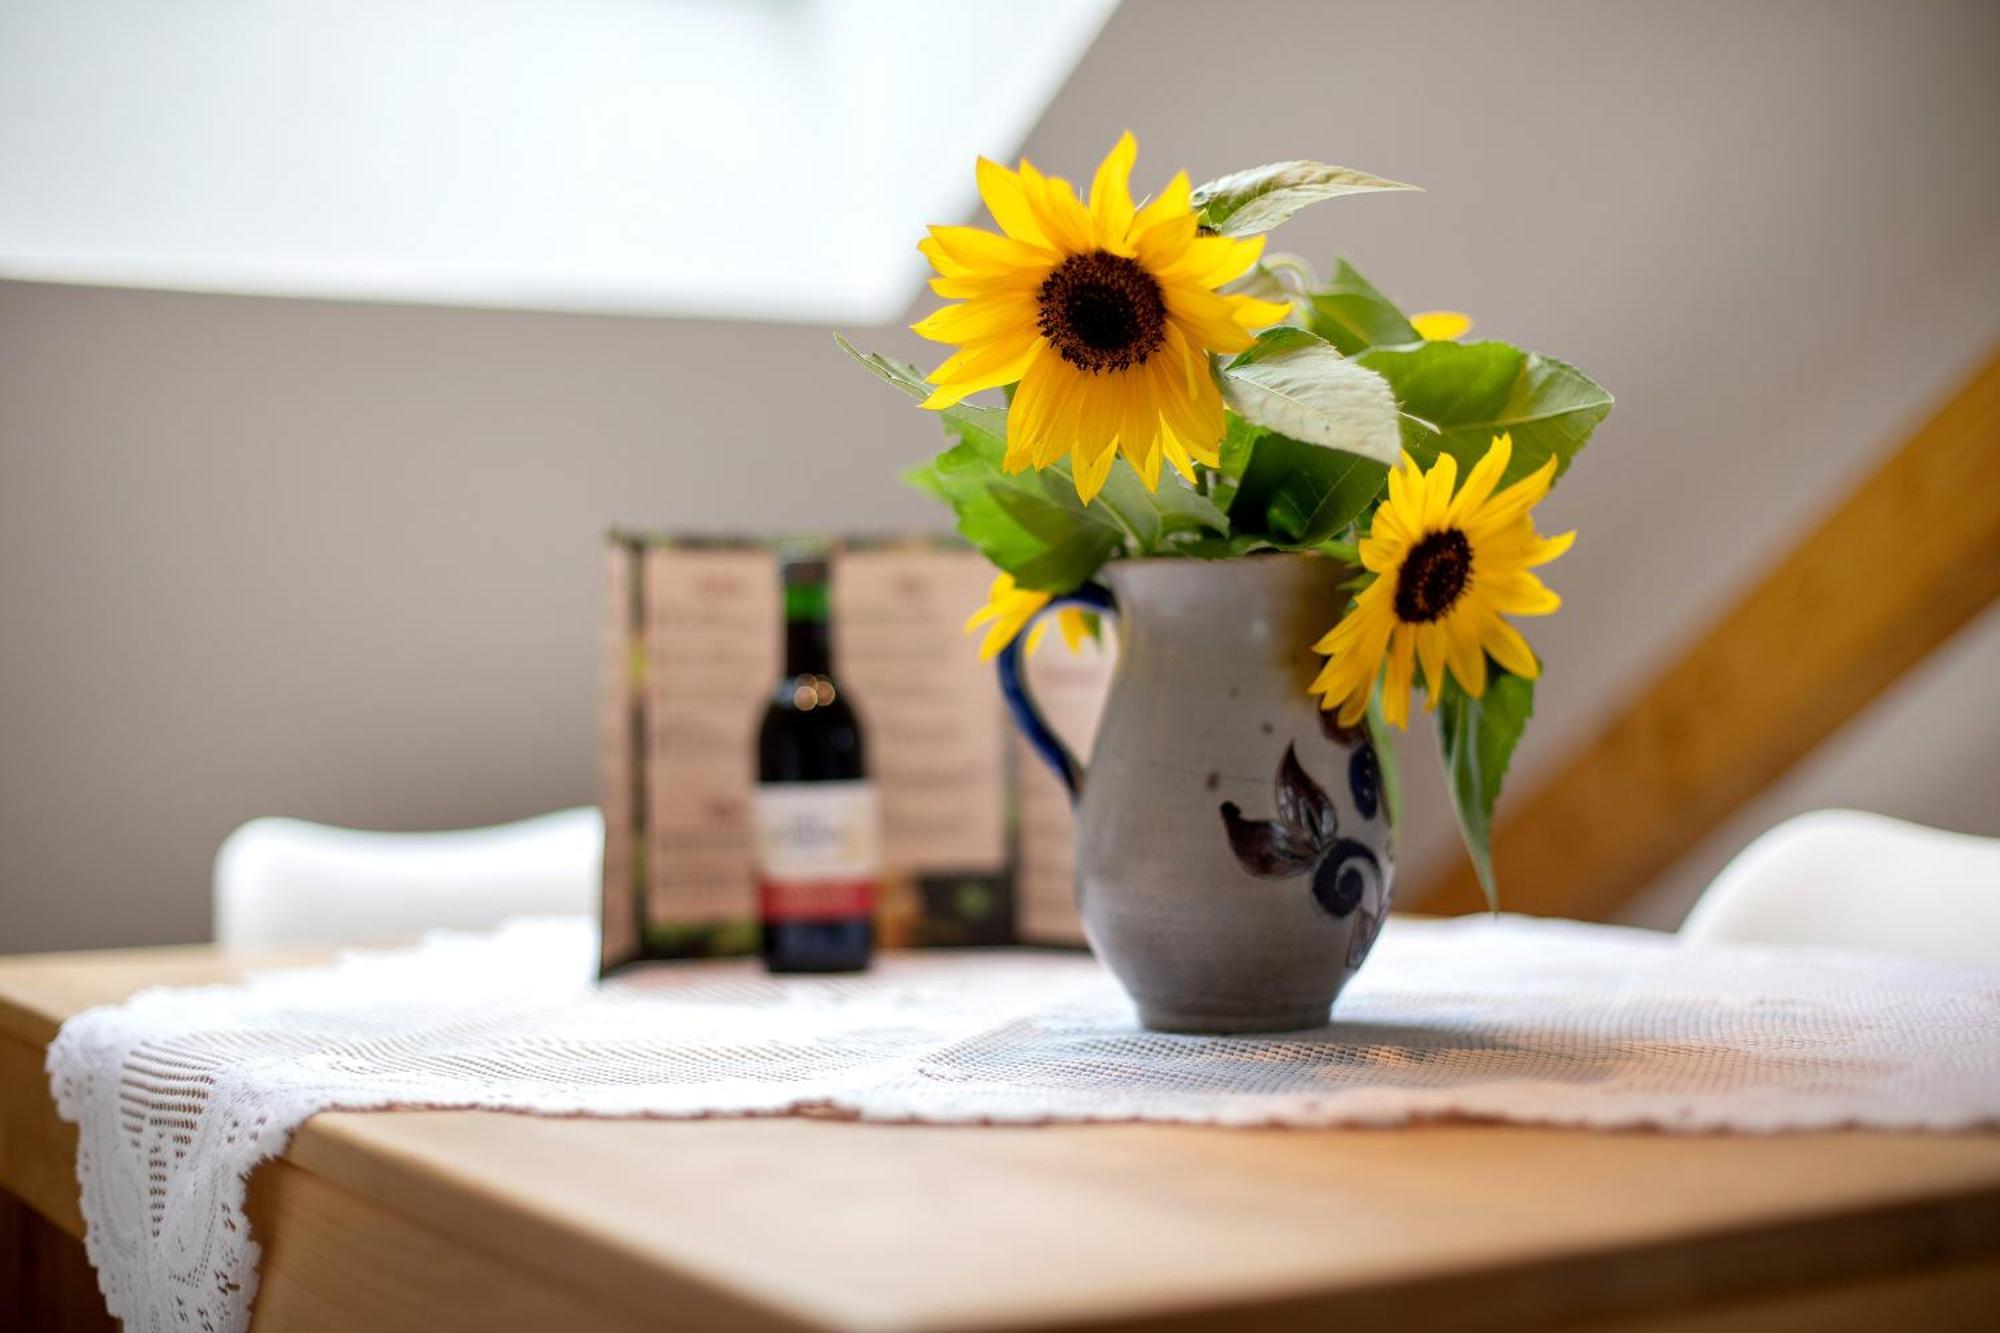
(1165, 389)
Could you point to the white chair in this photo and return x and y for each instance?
(287, 881)
(1860, 881)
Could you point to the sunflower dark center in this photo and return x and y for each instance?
(1102, 312)
(1433, 576)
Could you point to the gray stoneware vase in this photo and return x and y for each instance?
(1233, 846)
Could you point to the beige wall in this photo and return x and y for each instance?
(263, 556)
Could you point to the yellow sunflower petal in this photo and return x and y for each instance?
(1252, 313)
(1520, 594)
(992, 317)
(1430, 655)
(1060, 214)
(1548, 548)
(1014, 282)
(1147, 464)
(1028, 416)
(1441, 326)
(1075, 627)
(1166, 241)
(1093, 469)
(1401, 502)
(1205, 317)
(997, 638)
(1354, 649)
(947, 396)
(1111, 192)
(1001, 191)
(1170, 203)
(1205, 399)
(1517, 499)
(1465, 655)
(1508, 648)
(1479, 483)
(1387, 531)
(1209, 454)
(1177, 457)
(1344, 678)
(1008, 608)
(942, 262)
(1062, 427)
(1215, 260)
(1138, 418)
(1396, 680)
(1185, 395)
(971, 250)
(971, 369)
(1096, 430)
(1435, 490)
(1179, 452)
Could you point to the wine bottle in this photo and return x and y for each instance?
(818, 817)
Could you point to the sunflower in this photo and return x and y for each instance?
(1104, 313)
(1009, 607)
(1447, 569)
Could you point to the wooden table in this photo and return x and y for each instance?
(458, 1220)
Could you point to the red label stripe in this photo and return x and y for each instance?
(815, 899)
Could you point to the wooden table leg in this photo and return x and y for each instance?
(46, 1281)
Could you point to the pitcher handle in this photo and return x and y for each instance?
(1021, 703)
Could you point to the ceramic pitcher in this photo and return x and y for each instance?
(1233, 844)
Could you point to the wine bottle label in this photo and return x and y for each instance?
(819, 849)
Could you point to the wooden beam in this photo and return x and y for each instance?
(1908, 557)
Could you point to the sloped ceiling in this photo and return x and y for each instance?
(767, 159)
(1772, 230)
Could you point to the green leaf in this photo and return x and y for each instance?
(1347, 553)
(1477, 738)
(1349, 313)
(1224, 548)
(1238, 438)
(1153, 516)
(988, 424)
(924, 477)
(1301, 494)
(1276, 342)
(1457, 396)
(1030, 524)
(899, 373)
(1244, 203)
(1264, 283)
(1295, 383)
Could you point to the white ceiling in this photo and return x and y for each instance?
(765, 159)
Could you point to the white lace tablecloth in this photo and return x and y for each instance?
(179, 1093)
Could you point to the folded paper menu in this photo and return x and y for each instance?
(977, 835)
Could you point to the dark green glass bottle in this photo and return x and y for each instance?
(819, 823)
